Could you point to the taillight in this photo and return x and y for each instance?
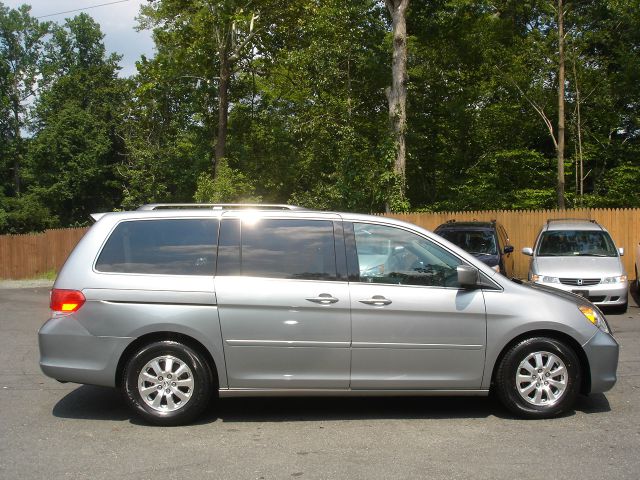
(66, 301)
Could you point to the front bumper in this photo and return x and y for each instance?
(601, 294)
(602, 353)
(69, 353)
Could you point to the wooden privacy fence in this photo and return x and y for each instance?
(522, 227)
(27, 256)
(34, 254)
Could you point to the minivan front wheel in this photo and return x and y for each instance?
(167, 383)
(538, 378)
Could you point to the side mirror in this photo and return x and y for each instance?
(508, 249)
(528, 251)
(621, 251)
(467, 276)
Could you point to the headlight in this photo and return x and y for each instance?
(620, 279)
(544, 279)
(595, 317)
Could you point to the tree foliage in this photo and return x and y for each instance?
(21, 51)
(295, 92)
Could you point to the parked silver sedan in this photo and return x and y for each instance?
(579, 256)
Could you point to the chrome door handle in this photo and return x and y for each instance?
(323, 299)
(377, 300)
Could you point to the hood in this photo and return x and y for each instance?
(490, 260)
(579, 267)
(577, 299)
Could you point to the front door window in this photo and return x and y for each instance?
(394, 256)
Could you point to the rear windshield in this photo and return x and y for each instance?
(161, 247)
(586, 243)
(477, 242)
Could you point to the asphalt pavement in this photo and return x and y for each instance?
(52, 430)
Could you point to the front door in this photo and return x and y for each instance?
(283, 302)
(413, 327)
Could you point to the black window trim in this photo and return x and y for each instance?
(228, 221)
(340, 249)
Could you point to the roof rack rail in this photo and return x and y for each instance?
(219, 206)
(570, 220)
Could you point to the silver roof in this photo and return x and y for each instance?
(572, 224)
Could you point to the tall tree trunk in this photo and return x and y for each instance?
(561, 76)
(17, 150)
(579, 128)
(223, 109)
(397, 94)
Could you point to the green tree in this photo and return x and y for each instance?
(178, 122)
(167, 133)
(315, 121)
(209, 39)
(465, 116)
(21, 45)
(76, 142)
(228, 186)
(605, 54)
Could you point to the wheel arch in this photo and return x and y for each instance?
(160, 336)
(585, 386)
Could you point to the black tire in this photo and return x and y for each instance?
(507, 387)
(198, 374)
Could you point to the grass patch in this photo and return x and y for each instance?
(49, 275)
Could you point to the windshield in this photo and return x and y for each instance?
(477, 242)
(587, 243)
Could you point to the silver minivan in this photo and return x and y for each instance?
(177, 305)
(579, 256)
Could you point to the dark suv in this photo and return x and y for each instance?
(487, 241)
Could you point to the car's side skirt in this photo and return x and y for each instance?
(280, 392)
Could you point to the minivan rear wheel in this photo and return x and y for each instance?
(538, 378)
(167, 383)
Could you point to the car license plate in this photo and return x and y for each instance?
(582, 293)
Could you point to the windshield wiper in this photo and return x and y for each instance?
(481, 253)
(593, 255)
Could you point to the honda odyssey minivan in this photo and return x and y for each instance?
(579, 256)
(176, 305)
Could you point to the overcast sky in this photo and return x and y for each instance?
(117, 22)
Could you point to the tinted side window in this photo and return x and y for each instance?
(295, 249)
(396, 256)
(168, 247)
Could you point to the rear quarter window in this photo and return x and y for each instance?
(161, 247)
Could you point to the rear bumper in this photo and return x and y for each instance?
(69, 353)
(602, 352)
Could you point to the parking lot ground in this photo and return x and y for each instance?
(52, 430)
